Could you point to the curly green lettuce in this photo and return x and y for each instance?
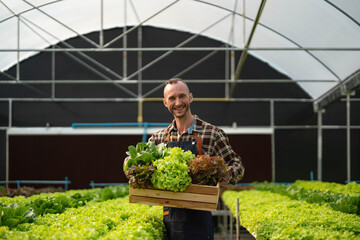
(172, 171)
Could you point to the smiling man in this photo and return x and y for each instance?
(177, 99)
(189, 132)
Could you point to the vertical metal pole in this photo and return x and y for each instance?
(53, 73)
(231, 225)
(348, 141)
(227, 71)
(237, 220)
(232, 54)
(232, 70)
(10, 113)
(7, 161)
(140, 103)
(101, 35)
(225, 220)
(7, 145)
(319, 145)
(272, 125)
(66, 183)
(18, 50)
(125, 42)
(232, 65)
(139, 61)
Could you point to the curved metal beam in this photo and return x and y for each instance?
(245, 52)
(350, 84)
(283, 36)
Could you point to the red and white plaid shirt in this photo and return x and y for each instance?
(214, 143)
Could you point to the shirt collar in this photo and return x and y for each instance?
(190, 129)
(195, 126)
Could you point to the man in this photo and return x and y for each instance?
(191, 133)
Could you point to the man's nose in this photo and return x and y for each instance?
(177, 101)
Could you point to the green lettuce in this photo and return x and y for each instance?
(140, 175)
(144, 153)
(172, 171)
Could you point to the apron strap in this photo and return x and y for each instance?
(167, 138)
(195, 138)
(198, 143)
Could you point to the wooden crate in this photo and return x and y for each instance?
(198, 197)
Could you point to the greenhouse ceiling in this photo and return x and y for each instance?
(314, 42)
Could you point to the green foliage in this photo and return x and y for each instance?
(25, 210)
(112, 219)
(272, 216)
(14, 214)
(59, 204)
(144, 153)
(206, 170)
(140, 175)
(336, 196)
(172, 170)
(351, 189)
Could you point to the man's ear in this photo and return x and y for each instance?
(164, 101)
(190, 98)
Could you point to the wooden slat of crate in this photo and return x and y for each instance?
(198, 197)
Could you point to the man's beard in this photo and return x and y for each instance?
(186, 107)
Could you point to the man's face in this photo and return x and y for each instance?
(177, 99)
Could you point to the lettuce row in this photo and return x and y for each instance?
(26, 210)
(351, 189)
(112, 219)
(336, 196)
(272, 216)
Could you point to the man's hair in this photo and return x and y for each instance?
(175, 81)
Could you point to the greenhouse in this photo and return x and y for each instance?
(81, 81)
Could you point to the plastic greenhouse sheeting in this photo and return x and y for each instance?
(292, 29)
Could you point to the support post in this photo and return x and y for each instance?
(101, 34)
(348, 138)
(231, 220)
(53, 73)
(18, 50)
(272, 124)
(319, 145)
(237, 220)
(125, 42)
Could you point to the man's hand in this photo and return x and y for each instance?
(125, 161)
(225, 180)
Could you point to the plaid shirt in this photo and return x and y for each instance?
(214, 143)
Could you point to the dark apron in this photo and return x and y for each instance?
(184, 223)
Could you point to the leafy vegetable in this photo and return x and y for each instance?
(14, 214)
(144, 153)
(140, 175)
(59, 204)
(112, 219)
(270, 215)
(336, 196)
(18, 210)
(352, 188)
(172, 171)
(206, 170)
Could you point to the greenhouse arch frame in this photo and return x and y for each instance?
(308, 82)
